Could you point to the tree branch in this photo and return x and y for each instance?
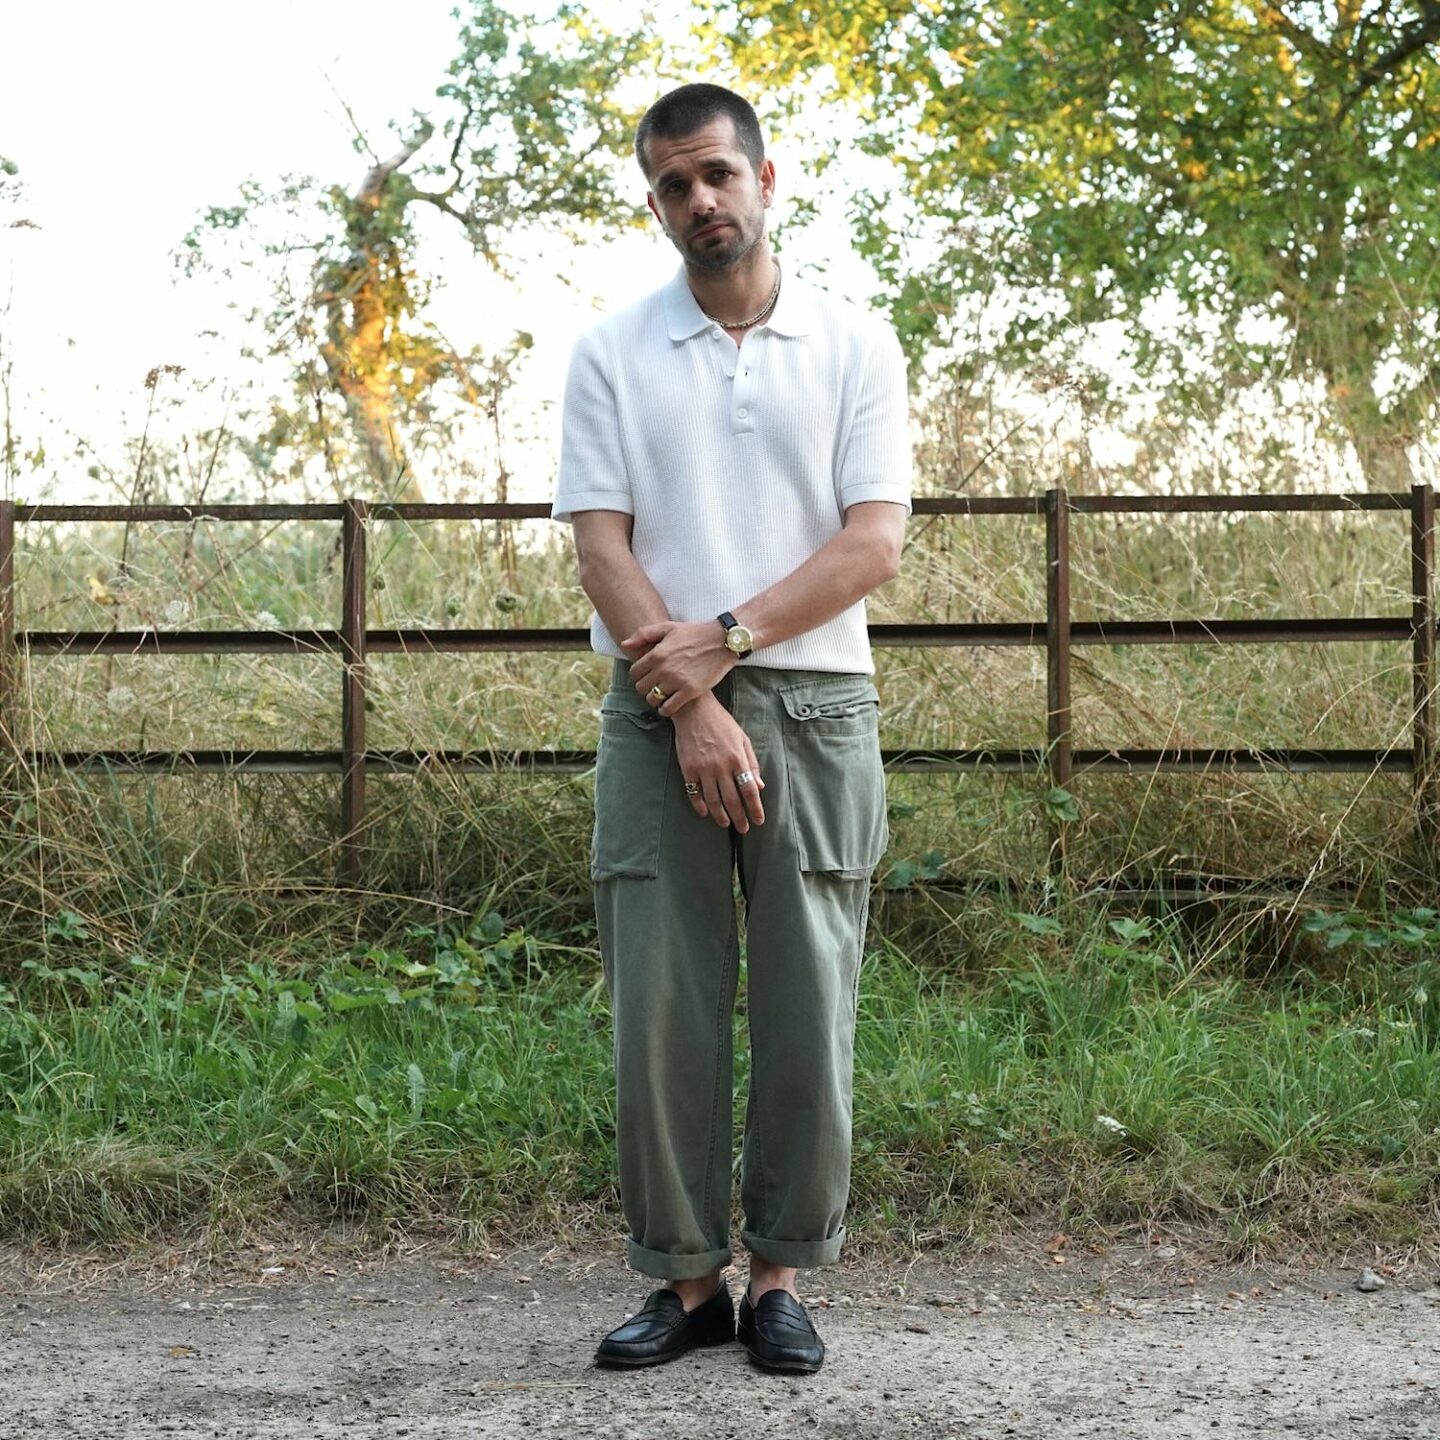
(1425, 30)
(1298, 35)
(375, 180)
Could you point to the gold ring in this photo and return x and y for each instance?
(656, 693)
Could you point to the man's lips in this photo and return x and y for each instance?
(709, 229)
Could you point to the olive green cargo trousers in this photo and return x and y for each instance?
(669, 941)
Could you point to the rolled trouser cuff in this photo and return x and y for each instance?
(799, 1254)
(665, 1266)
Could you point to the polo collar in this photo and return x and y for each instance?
(793, 314)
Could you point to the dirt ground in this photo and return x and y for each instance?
(291, 1340)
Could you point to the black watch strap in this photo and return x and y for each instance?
(728, 623)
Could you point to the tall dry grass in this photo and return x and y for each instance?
(136, 852)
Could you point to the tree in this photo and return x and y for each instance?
(1260, 162)
(531, 129)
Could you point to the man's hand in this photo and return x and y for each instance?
(712, 749)
(686, 659)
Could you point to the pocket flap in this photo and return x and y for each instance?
(633, 706)
(828, 699)
(625, 702)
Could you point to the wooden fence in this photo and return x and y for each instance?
(1055, 632)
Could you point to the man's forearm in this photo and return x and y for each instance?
(686, 660)
(621, 592)
(843, 570)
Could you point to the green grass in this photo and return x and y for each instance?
(1089, 1070)
(182, 1049)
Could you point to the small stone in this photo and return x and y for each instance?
(1166, 1252)
(1369, 1280)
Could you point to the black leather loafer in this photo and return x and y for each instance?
(777, 1333)
(664, 1329)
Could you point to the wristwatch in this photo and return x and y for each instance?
(738, 640)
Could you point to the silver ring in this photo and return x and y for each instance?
(692, 787)
(744, 777)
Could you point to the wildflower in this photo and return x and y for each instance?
(1110, 1123)
(120, 697)
(265, 618)
(177, 611)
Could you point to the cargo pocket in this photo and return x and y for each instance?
(632, 775)
(832, 768)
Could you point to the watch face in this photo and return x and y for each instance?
(738, 639)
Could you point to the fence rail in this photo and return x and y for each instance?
(1057, 633)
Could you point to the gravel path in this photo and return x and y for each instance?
(1138, 1341)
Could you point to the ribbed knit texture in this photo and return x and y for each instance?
(737, 462)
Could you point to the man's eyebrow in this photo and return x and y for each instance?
(717, 162)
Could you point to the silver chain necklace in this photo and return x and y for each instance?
(756, 318)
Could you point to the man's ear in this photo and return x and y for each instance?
(767, 180)
(654, 209)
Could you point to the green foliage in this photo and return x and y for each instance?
(1259, 162)
(1113, 1072)
(904, 873)
(1060, 804)
(1416, 929)
(529, 128)
(536, 124)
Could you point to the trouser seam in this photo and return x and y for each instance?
(757, 1092)
(723, 1017)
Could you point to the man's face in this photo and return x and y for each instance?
(706, 196)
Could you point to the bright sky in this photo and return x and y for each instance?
(126, 121)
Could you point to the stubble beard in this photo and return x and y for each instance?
(716, 259)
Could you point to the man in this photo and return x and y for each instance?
(735, 461)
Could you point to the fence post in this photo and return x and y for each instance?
(1057, 655)
(352, 702)
(9, 668)
(1422, 621)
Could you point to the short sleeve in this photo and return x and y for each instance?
(592, 472)
(877, 461)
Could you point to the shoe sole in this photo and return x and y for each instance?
(784, 1367)
(618, 1362)
(746, 1336)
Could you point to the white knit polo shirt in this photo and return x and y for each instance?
(737, 462)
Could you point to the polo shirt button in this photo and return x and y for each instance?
(742, 412)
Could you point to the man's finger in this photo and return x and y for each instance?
(645, 635)
(734, 805)
(714, 806)
(678, 701)
(750, 798)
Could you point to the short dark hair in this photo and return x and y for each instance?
(684, 111)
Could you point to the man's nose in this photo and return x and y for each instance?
(702, 200)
